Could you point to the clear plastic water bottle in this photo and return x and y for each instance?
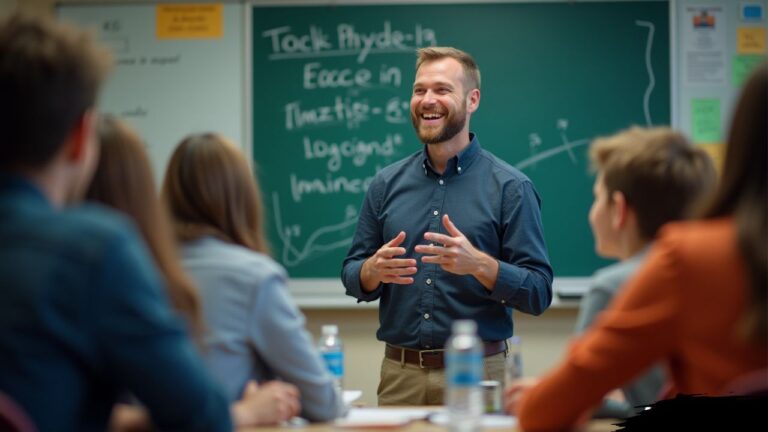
(464, 370)
(514, 363)
(332, 350)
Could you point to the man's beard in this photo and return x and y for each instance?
(454, 123)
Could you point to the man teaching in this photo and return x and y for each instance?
(450, 232)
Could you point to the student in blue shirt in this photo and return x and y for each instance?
(450, 232)
(83, 316)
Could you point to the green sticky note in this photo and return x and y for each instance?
(742, 66)
(705, 120)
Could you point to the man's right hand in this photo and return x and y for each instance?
(383, 267)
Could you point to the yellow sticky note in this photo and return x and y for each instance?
(190, 21)
(750, 40)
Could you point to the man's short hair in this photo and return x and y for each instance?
(50, 74)
(661, 174)
(471, 70)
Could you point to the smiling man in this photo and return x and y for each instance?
(450, 232)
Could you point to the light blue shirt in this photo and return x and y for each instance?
(254, 330)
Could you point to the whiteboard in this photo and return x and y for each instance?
(169, 87)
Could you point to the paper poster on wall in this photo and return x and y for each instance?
(705, 120)
(704, 47)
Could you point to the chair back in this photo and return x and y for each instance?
(13, 418)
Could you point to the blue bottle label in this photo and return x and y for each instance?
(335, 362)
(465, 369)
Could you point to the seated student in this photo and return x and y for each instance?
(83, 315)
(645, 178)
(698, 302)
(255, 330)
(124, 181)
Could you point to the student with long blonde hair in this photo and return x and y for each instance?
(124, 181)
(255, 330)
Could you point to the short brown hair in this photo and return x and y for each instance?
(471, 70)
(210, 190)
(50, 74)
(661, 174)
(124, 181)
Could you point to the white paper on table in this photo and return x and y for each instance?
(489, 420)
(350, 396)
(382, 417)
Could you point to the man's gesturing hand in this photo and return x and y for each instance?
(458, 256)
(383, 267)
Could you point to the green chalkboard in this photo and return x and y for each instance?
(331, 90)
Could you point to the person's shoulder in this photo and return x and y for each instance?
(213, 253)
(90, 227)
(502, 169)
(611, 277)
(699, 236)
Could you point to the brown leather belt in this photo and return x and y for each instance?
(434, 359)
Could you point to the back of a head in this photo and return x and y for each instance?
(50, 74)
(124, 181)
(210, 190)
(659, 172)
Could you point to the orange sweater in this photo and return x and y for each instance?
(682, 306)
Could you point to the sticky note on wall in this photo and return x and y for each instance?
(189, 21)
(705, 119)
(743, 65)
(750, 40)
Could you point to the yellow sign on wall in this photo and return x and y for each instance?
(751, 40)
(190, 21)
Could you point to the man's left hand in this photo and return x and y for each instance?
(457, 255)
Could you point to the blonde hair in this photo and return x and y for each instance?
(659, 172)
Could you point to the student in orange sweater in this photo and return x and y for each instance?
(646, 177)
(698, 303)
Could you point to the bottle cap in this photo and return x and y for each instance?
(464, 326)
(330, 329)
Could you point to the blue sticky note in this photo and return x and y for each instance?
(752, 12)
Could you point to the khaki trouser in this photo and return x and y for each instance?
(407, 384)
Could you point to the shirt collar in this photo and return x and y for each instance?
(458, 164)
(15, 184)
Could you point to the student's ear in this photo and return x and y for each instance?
(80, 136)
(473, 100)
(620, 210)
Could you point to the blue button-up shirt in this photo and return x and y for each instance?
(84, 318)
(494, 205)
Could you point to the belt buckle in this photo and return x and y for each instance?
(421, 356)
